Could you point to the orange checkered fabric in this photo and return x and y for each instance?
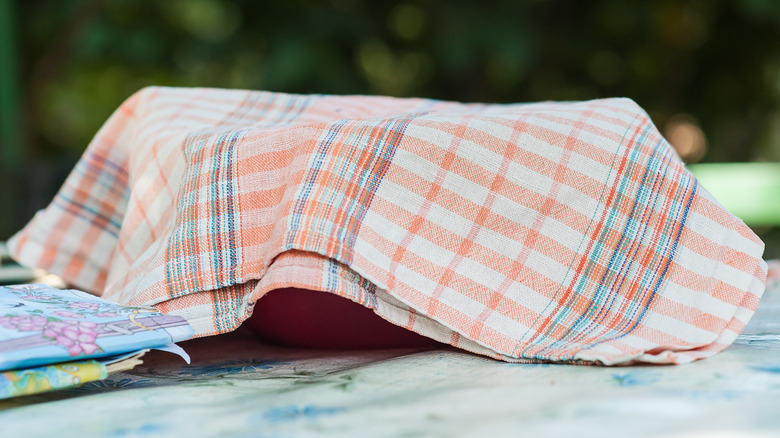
(549, 231)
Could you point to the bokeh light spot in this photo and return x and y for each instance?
(686, 137)
(407, 21)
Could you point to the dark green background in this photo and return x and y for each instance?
(68, 64)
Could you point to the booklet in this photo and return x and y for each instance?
(46, 378)
(42, 326)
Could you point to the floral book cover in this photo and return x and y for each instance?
(41, 326)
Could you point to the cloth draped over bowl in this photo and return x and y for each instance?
(553, 231)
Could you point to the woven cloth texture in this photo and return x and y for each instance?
(555, 231)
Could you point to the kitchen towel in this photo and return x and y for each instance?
(553, 231)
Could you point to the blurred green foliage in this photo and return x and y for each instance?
(715, 60)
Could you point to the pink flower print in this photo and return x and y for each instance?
(106, 315)
(84, 305)
(77, 336)
(24, 323)
(37, 297)
(66, 314)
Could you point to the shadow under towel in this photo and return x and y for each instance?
(547, 231)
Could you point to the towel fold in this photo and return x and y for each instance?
(548, 231)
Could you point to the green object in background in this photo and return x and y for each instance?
(750, 191)
(9, 88)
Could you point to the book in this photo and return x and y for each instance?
(53, 335)
(28, 381)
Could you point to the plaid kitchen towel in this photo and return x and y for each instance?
(547, 231)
